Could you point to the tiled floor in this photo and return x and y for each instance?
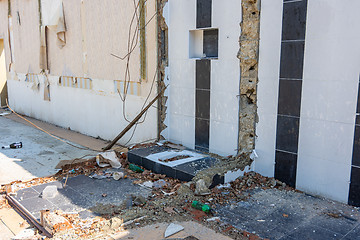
(79, 194)
(284, 215)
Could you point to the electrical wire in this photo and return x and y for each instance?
(131, 47)
(132, 44)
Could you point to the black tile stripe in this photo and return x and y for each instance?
(290, 87)
(210, 43)
(203, 13)
(354, 192)
(202, 104)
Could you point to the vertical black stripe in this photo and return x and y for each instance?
(203, 13)
(210, 43)
(290, 87)
(202, 104)
(354, 192)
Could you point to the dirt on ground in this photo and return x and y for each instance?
(168, 203)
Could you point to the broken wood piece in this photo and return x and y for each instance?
(133, 122)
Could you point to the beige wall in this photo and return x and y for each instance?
(94, 30)
(3, 87)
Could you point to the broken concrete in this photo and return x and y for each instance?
(248, 55)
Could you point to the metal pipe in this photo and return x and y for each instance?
(27, 215)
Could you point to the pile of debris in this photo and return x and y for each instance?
(170, 199)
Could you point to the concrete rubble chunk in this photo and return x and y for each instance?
(53, 222)
(25, 234)
(172, 229)
(138, 200)
(49, 192)
(201, 188)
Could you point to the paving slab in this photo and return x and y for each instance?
(277, 214)
(11, 223)
(156, 231)
(80, 194)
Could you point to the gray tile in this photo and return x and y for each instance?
(354, 234)
(34, 205)
(294, 20)
(356, 151)
(202, 104)
(289, 97)
(354, 192)
(292, 60)
(202, 133)
(337, 225)
(203, 71)
(285, 167)
(26, 193)
(210, 43)
(203, 13)
(310, 232)
(287, 133)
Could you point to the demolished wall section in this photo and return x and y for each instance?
(248, 55)
(162, 64)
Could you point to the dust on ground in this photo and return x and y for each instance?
(168, 203)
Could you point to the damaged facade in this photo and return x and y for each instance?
(273, 76)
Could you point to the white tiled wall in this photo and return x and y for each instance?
(329, 94)
(269, 64)
(225, 76)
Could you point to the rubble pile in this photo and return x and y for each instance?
(75, 227)
(170, 200)
(238, 189)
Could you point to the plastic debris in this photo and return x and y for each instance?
(135, 168)
(213, 219)
(201, 206)
(148, 184)
(108, 159)
(49, 192)
(97, 176)
(118, 175)
(172, 229)
(4, 114)
(160, 184)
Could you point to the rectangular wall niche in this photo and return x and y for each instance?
(204, 43)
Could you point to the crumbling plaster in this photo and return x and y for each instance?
(97, 111)
(248, 61)
(248, 55)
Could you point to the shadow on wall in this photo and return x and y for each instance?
(3, 85)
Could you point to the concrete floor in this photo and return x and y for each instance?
(40, 153)
(156, 231)
(289, 215)
(38, 158)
